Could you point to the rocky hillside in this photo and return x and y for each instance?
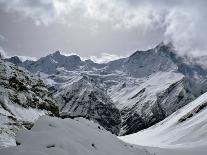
(82, 98)
(146, 87)
(23, 98)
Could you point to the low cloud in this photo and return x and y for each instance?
(2, 38)
(42, 12)
(105, 57)
(3, 54)
(24, 58)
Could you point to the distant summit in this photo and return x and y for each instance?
(15, 60)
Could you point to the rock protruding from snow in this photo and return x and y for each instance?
(83, 98)
(50, 63)
(145, 63)
(23, 98)
(15, 60)
(53, 136)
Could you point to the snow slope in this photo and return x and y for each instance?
(146, 101)
(52, 136)
(186, 129)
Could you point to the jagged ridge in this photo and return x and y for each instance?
(146, 87)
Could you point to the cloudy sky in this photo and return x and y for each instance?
(101, 29)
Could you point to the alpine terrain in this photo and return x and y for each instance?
(125, 95)
(103, 77)
(146, 99)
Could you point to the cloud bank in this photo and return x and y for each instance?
(180, 21)
(104, 58)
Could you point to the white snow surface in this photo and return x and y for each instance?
(188, 136)
(8, 128)
(152, 84)
(54, 136)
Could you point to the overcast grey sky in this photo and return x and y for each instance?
(101, 29)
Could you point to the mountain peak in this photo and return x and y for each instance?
(15, 60)
(74, 56)
(56, 53)
(165, 45)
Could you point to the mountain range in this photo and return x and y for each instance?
(125, 95)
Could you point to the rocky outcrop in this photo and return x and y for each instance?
(149, 111)
(82, 98)
(23, 98)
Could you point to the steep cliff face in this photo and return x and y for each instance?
(152, 101)
(23, 98)
(145, 63)
(145, 87)
(83, 98)
(50, 63)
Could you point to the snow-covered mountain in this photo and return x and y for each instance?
(184, 130)
(145, 87)
(82, 97)
(23, 98)
(54, 136)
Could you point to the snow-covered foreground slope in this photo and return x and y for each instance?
(54, 136)
(186, 129)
